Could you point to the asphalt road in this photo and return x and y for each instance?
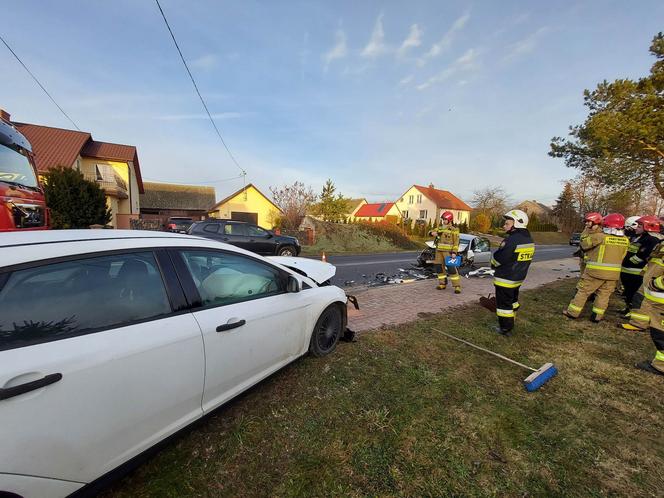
(362, 269)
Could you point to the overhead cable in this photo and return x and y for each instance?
(39, 83)
(193, 81)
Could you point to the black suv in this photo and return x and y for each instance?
(247, 236)
(575, 239)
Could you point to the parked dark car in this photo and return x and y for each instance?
(575, 239)
(178, 224)
(247, 236)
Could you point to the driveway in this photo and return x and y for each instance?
(402, 303)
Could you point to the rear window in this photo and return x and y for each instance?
(60, 300)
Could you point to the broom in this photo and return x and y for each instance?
(533, 382)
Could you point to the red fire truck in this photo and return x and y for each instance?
(22, 202)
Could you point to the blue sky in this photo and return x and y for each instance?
(375, 95)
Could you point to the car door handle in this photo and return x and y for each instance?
(10, 392)
(230, 326)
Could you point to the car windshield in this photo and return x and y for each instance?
(16, 168)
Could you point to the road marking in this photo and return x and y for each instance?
(373, 262)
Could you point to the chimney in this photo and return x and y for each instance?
(430, 185)
(4, 115)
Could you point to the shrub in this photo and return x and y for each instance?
(73, 201)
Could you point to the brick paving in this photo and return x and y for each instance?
(402, 303)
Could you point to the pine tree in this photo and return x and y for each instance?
(565, 211)
(73, 201)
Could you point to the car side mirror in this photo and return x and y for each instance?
(293, 284)
(270, 235)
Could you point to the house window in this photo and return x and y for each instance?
(410, 199)
(405, 214)
(419, 198)
(423, 214)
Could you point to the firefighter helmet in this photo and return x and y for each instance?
(520, 218)
(614, 220)
(650, 223)
(631, 222)
(448, 216)
(595, 218)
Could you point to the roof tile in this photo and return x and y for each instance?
(443, 198)
(376, 210)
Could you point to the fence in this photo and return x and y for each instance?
(141, 224)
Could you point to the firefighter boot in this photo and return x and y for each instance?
(647, 366)
(442, 283)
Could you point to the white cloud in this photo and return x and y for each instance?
(446, 41)
(376, 45)
(527, 45)
(406, 80)
(468, 61)
(413, 40)
(338, 51)
(205, 62)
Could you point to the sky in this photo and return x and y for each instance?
(375, 95)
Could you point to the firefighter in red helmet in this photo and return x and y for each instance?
(447, 244)
(605, 252)
(593, 224)
(641, 245)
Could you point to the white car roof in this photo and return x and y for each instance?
(24, 247)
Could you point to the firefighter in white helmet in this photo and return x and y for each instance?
(511, 262)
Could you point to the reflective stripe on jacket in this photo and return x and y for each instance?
(512, 259)
(605, 254)
(447, 238)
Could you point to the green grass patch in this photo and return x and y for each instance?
(359, 238)
(408, 412)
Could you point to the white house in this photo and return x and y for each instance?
(427, 204)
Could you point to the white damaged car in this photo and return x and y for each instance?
(111, 341)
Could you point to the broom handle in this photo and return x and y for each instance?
(487, 351)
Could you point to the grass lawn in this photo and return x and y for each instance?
(550, 237)
(407, 412)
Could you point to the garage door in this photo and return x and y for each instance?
(248, 217)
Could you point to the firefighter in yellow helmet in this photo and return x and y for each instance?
(510, 263)
(605, 252)
(447, 244)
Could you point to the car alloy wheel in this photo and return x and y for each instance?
(326, 333)
(287, 251)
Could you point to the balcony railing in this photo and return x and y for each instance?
(114, 186)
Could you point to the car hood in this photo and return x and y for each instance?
(462, 245)
(318, 271)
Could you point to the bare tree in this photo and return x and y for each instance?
(294, 200)
(493, 201)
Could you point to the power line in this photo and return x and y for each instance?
(40, 85)
(197, 91)
(221, 180)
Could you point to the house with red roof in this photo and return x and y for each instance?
(379, 211)
(114, 167)
(427, 204)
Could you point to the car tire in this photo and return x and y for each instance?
(287, 251)
(326, 333)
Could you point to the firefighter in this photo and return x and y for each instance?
(511, 262)
(641, 245)
(593, 224)
(605, 251)
(651, 312)
(447, 244)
